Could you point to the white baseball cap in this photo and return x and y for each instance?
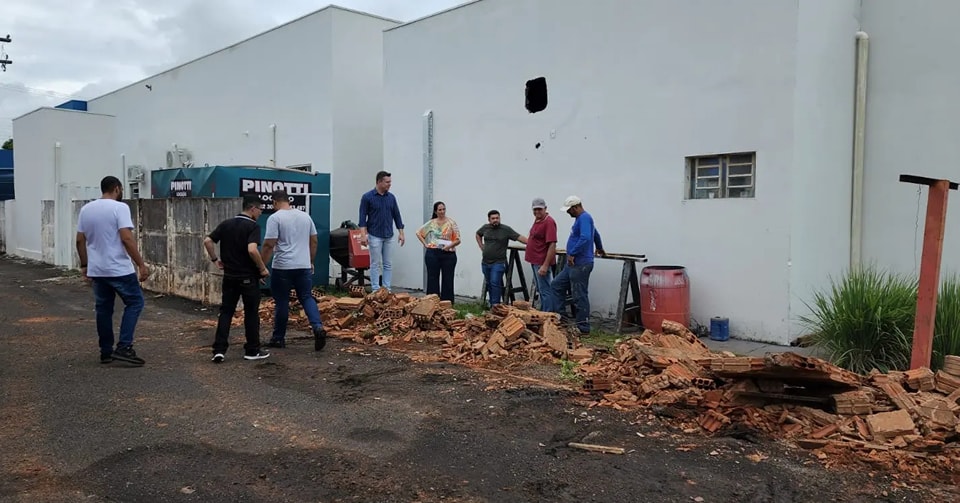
(570, 202)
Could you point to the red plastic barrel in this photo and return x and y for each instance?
(664, 295)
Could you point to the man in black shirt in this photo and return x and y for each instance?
(243, 270)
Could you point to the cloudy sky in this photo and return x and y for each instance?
(80, 49)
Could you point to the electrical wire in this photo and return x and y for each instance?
(916, 230)
(34, 91)
(6, 129)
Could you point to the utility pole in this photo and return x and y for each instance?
(4, 61)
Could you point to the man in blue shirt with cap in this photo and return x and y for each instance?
(580, 252)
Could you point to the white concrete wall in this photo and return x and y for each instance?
(318, 79)
(86, 141)
(823, 135)
(634, 88)
(357, 108)
(913, 101)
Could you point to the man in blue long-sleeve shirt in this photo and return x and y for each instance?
(580, 252)
(378, 213)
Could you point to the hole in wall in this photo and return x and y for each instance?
(537, 145)
(536, 95)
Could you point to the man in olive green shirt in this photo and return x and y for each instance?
(493, 239)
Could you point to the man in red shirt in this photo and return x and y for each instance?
(541, 252)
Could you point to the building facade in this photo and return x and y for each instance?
(737, 139)
(693, 135)
(306, 95)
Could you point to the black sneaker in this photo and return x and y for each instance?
(217, 358)
(259, 356)
(319, 338)
(276, 344)
(106, 357)
(127, 355)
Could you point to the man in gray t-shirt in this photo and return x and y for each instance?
(493, 239)
(293, 235)
(106, 246)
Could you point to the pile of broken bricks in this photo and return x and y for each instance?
(383, 318)
(806, 400)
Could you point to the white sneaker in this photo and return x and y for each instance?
(217, 358)
(259, 356)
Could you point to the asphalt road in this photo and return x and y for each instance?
(351, 423)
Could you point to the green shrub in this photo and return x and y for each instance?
(865, 321)
(465, 308)
(946, 330)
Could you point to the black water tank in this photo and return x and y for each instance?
(340, 243)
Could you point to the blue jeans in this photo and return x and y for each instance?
(380, 251)
(576, 278)
(282, 280)
(543, 288)
(493, 276)
(105, 292)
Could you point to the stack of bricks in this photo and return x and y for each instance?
(383, 318)
(951, 365)
(515, 330)
(782, 395)
(854, 402)
(921, 379)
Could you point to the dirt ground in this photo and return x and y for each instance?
(351, 423)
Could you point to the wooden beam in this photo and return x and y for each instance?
(923, 180)
(933, 231)
(597, 448)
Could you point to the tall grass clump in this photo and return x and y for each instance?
(946, 340)
(865, 320)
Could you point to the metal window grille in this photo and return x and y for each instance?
(722, 176)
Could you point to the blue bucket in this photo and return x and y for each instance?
(719, 329)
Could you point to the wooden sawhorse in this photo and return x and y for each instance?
(628, 303)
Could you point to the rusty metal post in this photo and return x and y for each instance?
(929, 282)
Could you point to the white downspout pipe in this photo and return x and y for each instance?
(57, 175)
(859, 137)
(58, 210)
(123, 173)
(273, 160)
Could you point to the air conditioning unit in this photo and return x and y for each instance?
(179, 158)
(136, 174)
(186, 158)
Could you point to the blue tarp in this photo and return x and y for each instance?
(6, 175)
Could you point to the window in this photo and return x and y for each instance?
(721, 176)
(536, 95)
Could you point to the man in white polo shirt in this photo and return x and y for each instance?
(293, 235)
(106, 245)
